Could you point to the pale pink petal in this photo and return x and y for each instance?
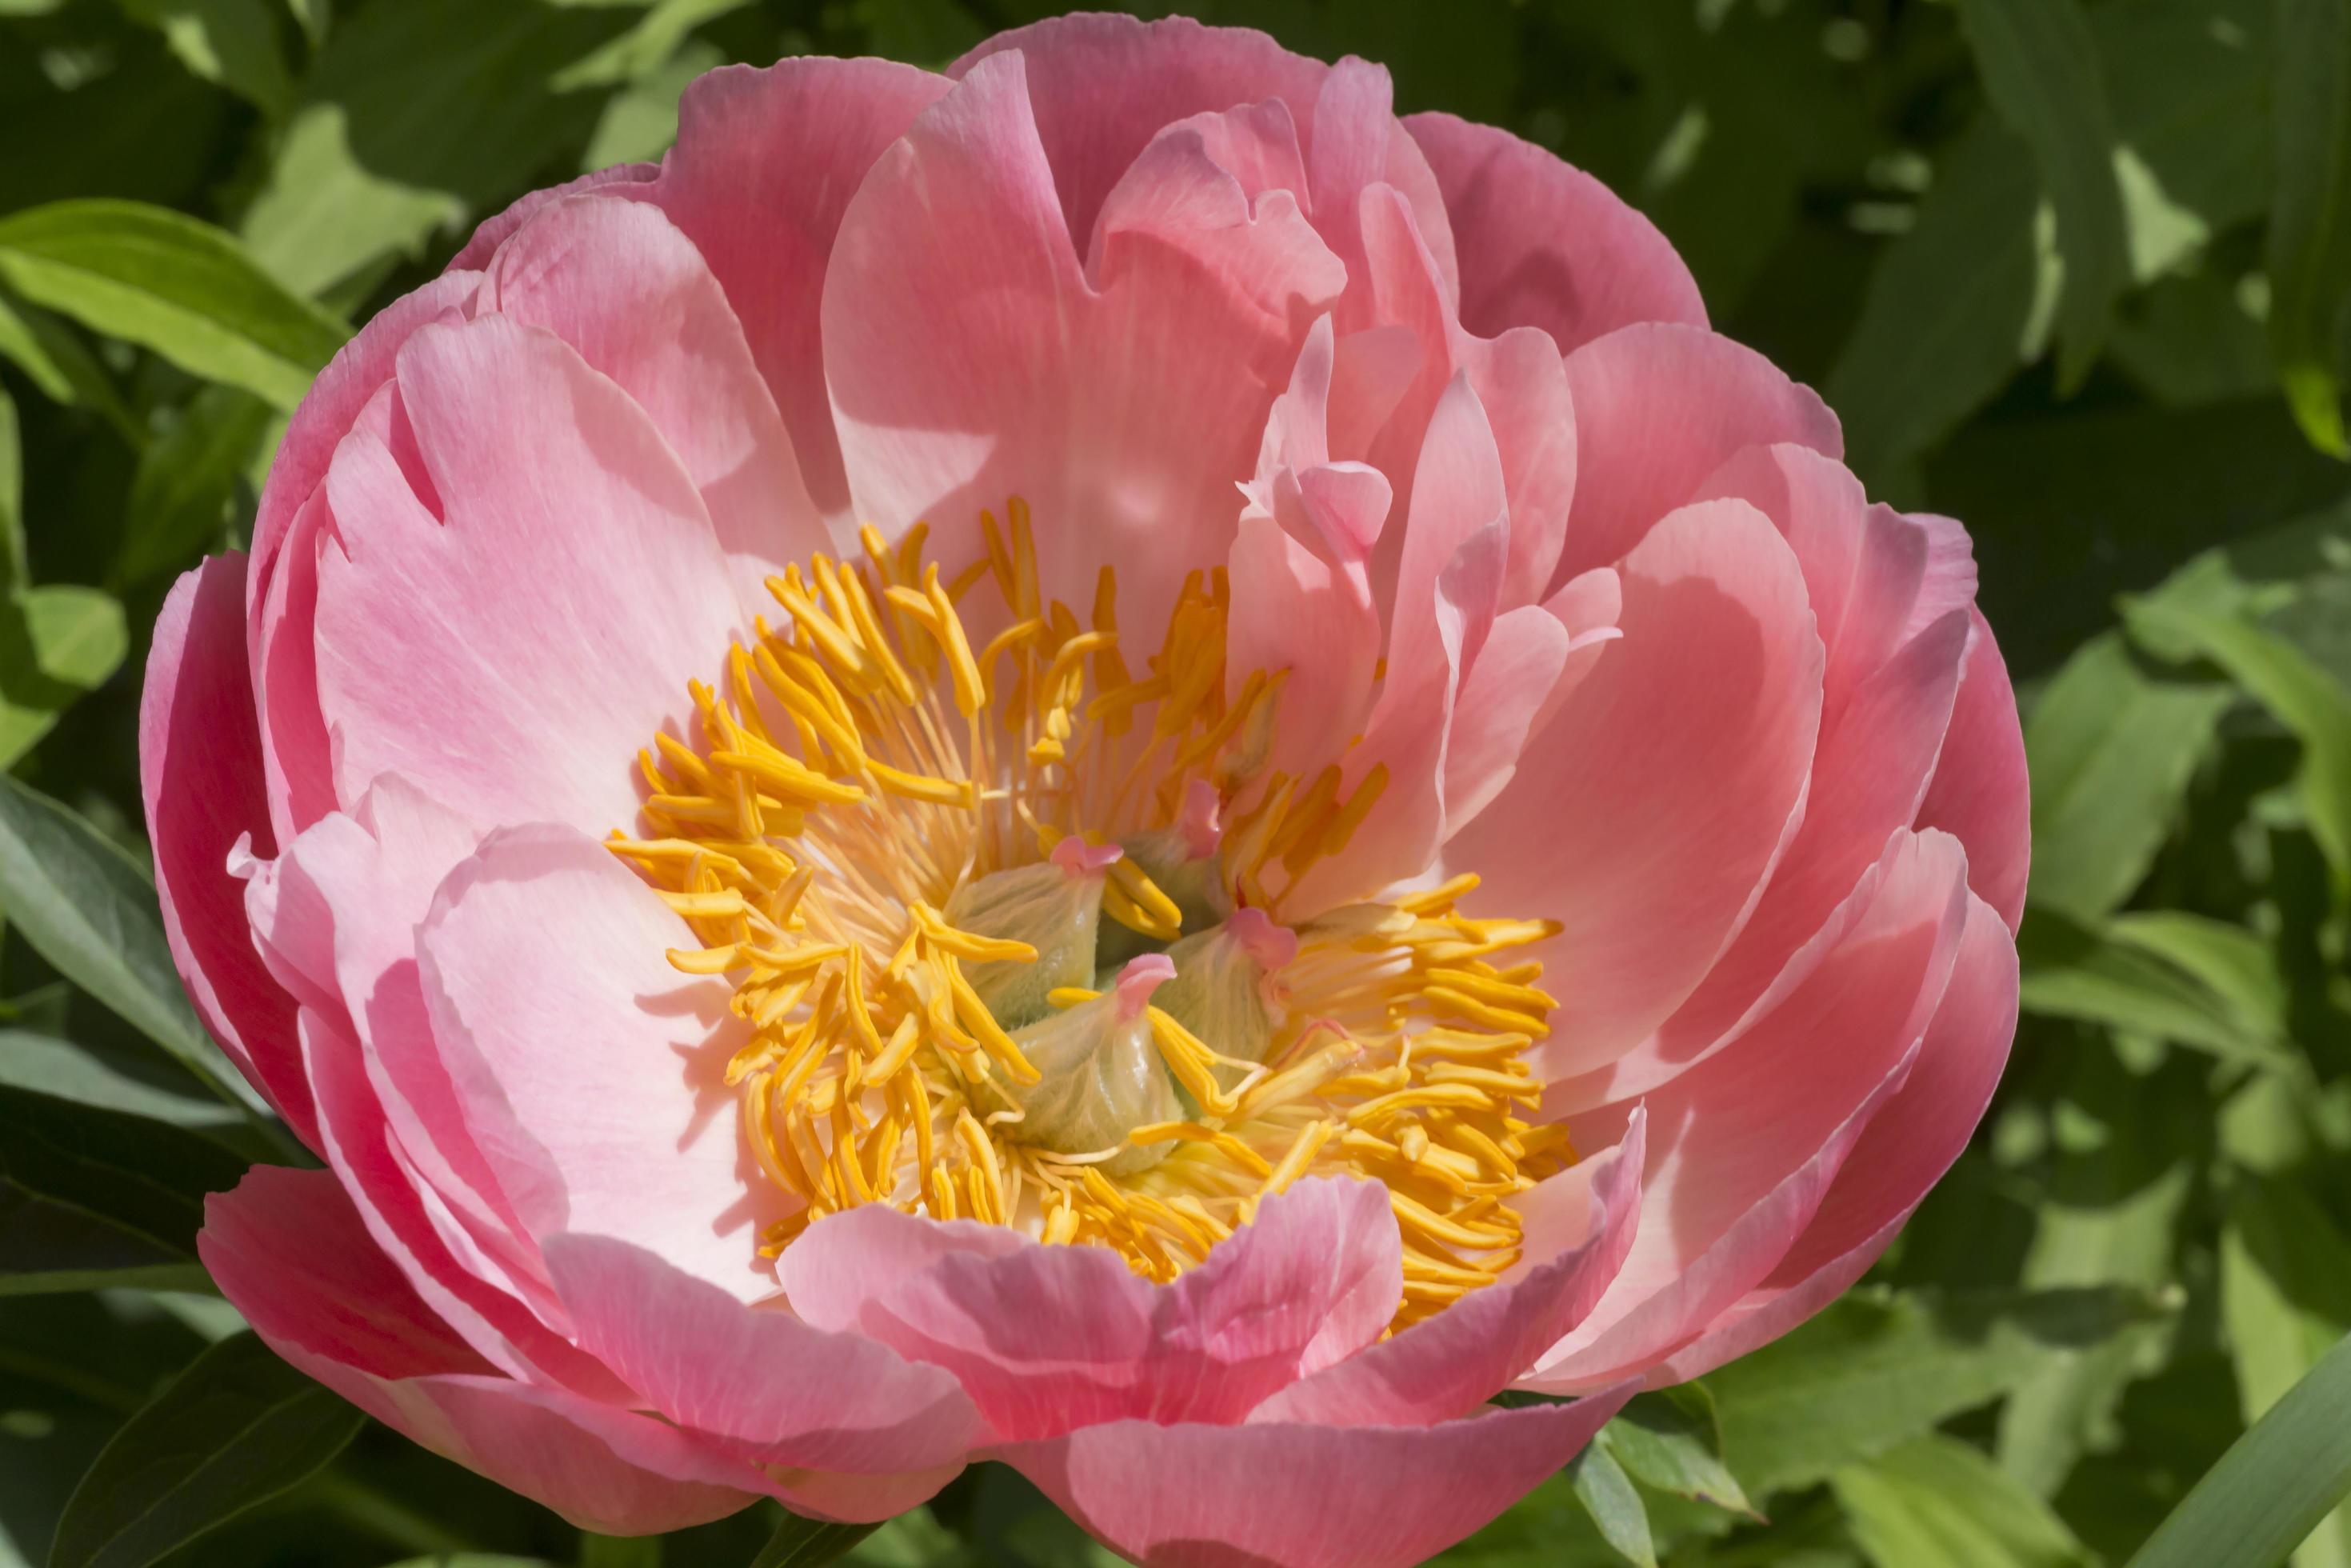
(1445, 1365)
(1048, 1339)
(764, 164)
(512, 658)
(1658, 408)
(759, 1382)
(1647, 814)
(1545, 245)
(1304, 1496)
(1507, 689)
(1978, 794)
(1357, 143)
(1744, 1145)
(1293, 611)
(841, 1266)
(618, 282)
(288, 1249)
(592, 1072)
(493, 232)
(200, 777)
(1905, 1150)
(970, 358)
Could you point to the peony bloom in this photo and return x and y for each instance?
(1105, 761)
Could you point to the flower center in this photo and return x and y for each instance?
(1012, 953)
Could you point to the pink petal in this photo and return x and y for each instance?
(1658, 408)
(758, 1383)
(1745, 1144)
(840, 1268)
(1647, 814)
(764, 164)
(1049, 1339)
(493, 232)
(1507, 689)
(1443, 1366)
(511, 660)
(1979, 793)
(618, 282)
(592, 1072)
(1304, 1496)
(199, 777)
(1358, 144)
(970, 358)
(288, 1249)
(1904, 1150)
(1545, 245)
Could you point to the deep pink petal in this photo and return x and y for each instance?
(286, 1249)
(1658, 408)
(1304, 1496)
(764, 164)
(1646, 815)
(512, 658)
(1978, 794)
(592, 1072)
(199, 777)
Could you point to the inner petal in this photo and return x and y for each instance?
(1008, 916)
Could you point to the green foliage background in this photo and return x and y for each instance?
(2074, 271)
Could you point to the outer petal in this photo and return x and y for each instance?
(286, 1248)
(592, 1072)
(511, 660)
(1304, 1496)
(1647, 816)
(1658, 408)
(1545, 245)
(199, 777)
(766, 162)
(1905, 1150)
(493, 232)
(970, 358)
(1979, 793)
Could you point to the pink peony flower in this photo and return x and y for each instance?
(1103, 762)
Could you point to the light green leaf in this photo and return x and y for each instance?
(185, 480)
(169, 283)
(809, 1542)
(1607, 1494)
(641, 119)
(2310, 213)
(231, 42)
(90, 911)
(2285, 1300)
(2111, 749)
(2234, 964)
(2274, 1484)
(2040, 66)
(1672, 1441)
(236, 1428)
(1878, 1369)
(54, 360)
(1937, 1503)
(645, 48)
(1950, 310)
(64, 1071)
(2071, 972)
(57, 643)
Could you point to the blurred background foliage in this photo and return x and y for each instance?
(2073, 270)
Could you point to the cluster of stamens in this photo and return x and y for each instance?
(1011, 952)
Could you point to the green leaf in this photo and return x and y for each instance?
(57, 643)
(12, 493)
(619, 1550)
(1672, 1441)
(2234, 964)
(236, 1428)
(1607, 1494)
(90, 911)
(1877, 1369)
(185, 480)
(91, 1197)
(2040, 66)
(64, 1071)
(2285, 1300)
(2071, 972)
(1951, 310)
(2111, 749)
(2274, 1484)
(169, 283)
(1937, 1503)
(231, 42)
(2310, 213)
(809, 1542)
(2297, 693)
(54, 360)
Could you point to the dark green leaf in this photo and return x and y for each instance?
(809, 1542)
(2310, 217)
(1607, 1494)
(185, 481)
(1672, 1441)
(2071, 972)
(231, 42)
(169, 283)
(1936, 1503)
(236, 1428)
(90, 911)
(2039, 66)
(64, 1071)
(54, 360)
